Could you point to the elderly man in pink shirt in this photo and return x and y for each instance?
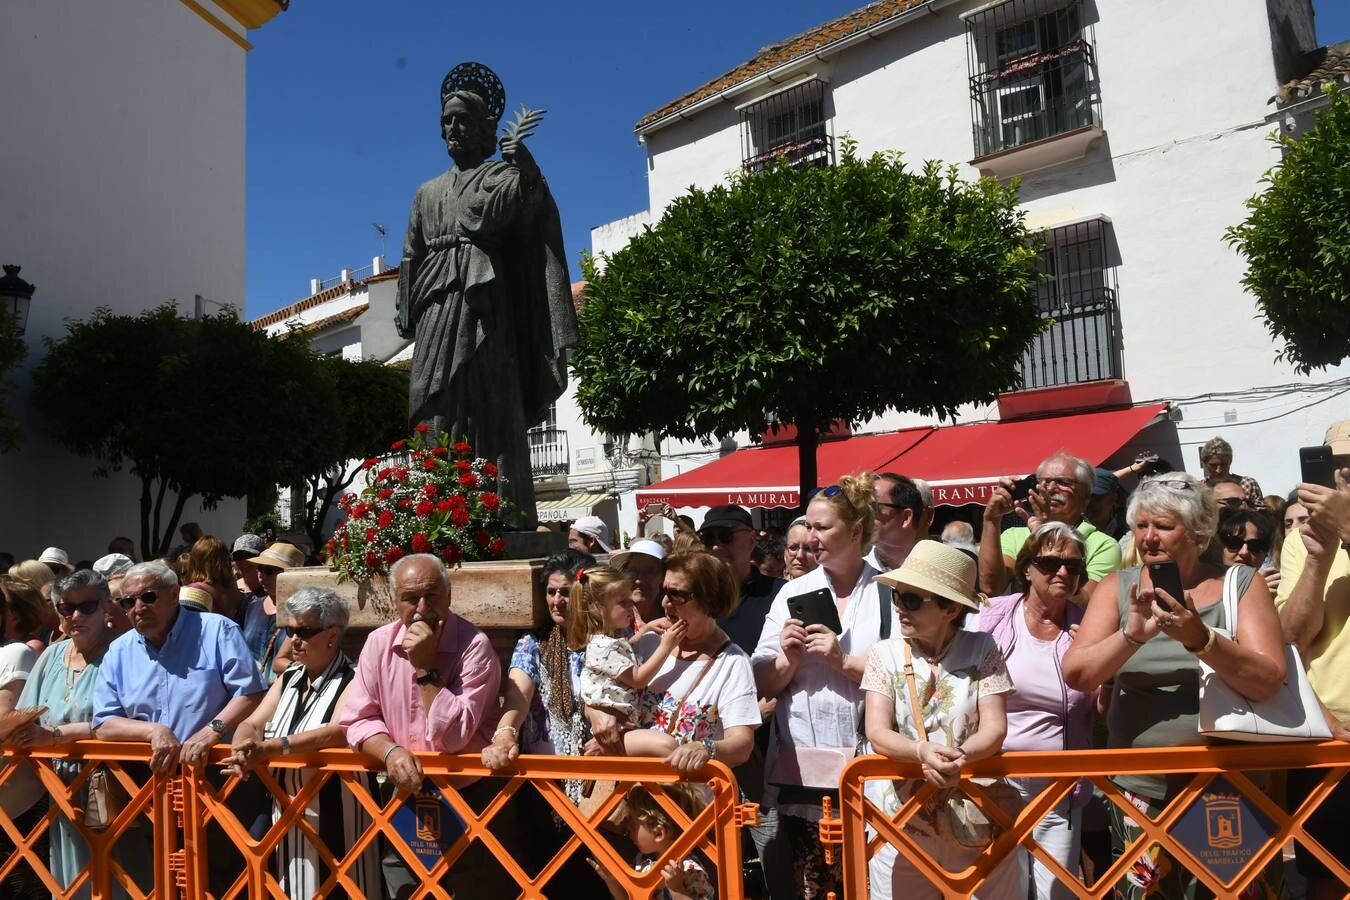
(427, 682)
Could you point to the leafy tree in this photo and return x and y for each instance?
(1297, 241)
(205, 407)
(12, 351)
(810, 294)
(371, 413)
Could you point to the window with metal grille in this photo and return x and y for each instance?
(1078, 296)
(1033, 73)
(548, 446)
(791, 125)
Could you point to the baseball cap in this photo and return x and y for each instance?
(644, 546)
(247, 545)
(112, 565)
(1338, 438)
(728, 516)
(594, 526)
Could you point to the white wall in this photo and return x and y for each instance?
(1184, 91)
(122, 181)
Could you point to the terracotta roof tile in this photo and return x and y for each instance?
(579, 294)
(336, 318)
(785, 51)
(1328, 63)
(332, 293)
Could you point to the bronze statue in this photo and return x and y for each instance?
(484, 288)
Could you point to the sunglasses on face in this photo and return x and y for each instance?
(557, 591)
(307, 632)
(268, 571)
(914, 602)
(718, 535)
(146, 597)
(1233, 503)
(88, 607)
(1052, 564)
(679, 598)
(1255, 546)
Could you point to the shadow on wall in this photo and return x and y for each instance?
(1095, 168)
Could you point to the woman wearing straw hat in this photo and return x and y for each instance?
(960, 687)
(261, 633)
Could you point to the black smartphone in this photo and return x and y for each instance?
(816, 608)
(1021, 489)
(1167, 576)
(1317, 465)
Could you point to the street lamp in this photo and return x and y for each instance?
(15, 295)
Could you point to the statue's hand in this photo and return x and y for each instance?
(517, 154)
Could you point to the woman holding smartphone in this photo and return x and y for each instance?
(1145, 643)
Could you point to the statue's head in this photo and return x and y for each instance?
(472, 102)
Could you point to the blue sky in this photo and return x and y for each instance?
(343, 107)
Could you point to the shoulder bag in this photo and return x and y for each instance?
(1294, 714)
(959, 820)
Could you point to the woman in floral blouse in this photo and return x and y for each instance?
(961, 685)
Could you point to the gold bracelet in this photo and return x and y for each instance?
(1208, 645)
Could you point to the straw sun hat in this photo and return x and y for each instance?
(280, 556)
(938, 569)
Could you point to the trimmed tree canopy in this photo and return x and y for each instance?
(1297, 242)
(808, 295)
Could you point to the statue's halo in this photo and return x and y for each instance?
(476, 78)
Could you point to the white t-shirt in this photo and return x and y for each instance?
(16, 661)
(724, 698)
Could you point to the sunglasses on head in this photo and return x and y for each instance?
(307, 632)
(1255, 546)
(88, 607)
(823, 492)
(146, 597)
(1052, 564)
(914, 602)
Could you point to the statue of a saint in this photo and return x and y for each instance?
(484, 288)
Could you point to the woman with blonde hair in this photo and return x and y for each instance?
(814, 672)
(209, 563)
(37, 574)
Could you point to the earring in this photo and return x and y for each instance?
(330, 644)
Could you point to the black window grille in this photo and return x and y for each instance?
(1078, 296)
(1033, 73)
(548, 446)
(791, 125)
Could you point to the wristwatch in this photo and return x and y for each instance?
(217, 726)
(431, 676)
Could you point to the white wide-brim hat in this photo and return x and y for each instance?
(938, 569)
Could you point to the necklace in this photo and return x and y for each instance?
(72, 674)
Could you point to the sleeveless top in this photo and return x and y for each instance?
(1155, 699)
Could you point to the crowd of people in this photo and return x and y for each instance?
(860, 628)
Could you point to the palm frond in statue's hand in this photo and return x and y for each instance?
(521, 127)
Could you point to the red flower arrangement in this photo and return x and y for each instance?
(445, 504)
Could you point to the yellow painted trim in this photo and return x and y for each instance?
(216, 23)
(251, 13)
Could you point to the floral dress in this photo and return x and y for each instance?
(608, 657)
(697, 884)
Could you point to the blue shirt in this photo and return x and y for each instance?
(263, 637)
(203, 664)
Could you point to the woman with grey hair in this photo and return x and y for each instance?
(1147, 646)
(63, 681)
(300, 715)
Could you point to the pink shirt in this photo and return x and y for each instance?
(384, 698)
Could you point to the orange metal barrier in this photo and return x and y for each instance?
(182, 808)
(1063, 769)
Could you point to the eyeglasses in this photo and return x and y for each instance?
(719, 535)
(307, 633)
(679, 598)
(1066, 483)
(914, 602)
(1175, 484)
(557, 591)
(823, 492)
(88, 607)
(146, 597)
(1233, 502)
(1052, 564)
(1255, 546)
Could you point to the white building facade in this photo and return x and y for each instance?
(1137, 128)
(123, 187)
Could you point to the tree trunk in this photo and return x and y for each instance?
(147, 551)
(177, 514)
(808, 439)
(159, 548)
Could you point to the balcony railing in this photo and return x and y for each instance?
(1079, 298)
(790, 125)
(548, 452)
(1033, 73)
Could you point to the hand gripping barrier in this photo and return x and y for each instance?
(1203, 764)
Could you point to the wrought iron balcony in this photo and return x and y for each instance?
(790, 125)
(548, 452)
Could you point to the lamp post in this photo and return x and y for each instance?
(15, 295)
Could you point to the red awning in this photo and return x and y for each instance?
(961, 462)
(768, 476)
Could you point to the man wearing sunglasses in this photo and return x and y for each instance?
(728, 533)
(1063, 486)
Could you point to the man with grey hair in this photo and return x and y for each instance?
(427, 682)
(1063, 486)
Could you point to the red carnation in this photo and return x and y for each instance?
(393, 555)
(489, 470)
(491, 501)
(405, 503)
(444, 506)
(386, 518)
(385, 493)
(470, 480)
(497, 547)
(429, 464)
(460, 517)
(429, 490)
(421, 543)
(424, 508)
(439, 451)
(418, 454)
(462, 447)
(360, 510)
(423, 428)
(482, 538)
(371, 534)
(463, 465)
(345, 501)
(372, 559)
(370, 463)
(459, 500)
(399, 473)
(398, 445)
(451, 554)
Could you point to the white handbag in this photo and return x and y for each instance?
(1294, 714)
